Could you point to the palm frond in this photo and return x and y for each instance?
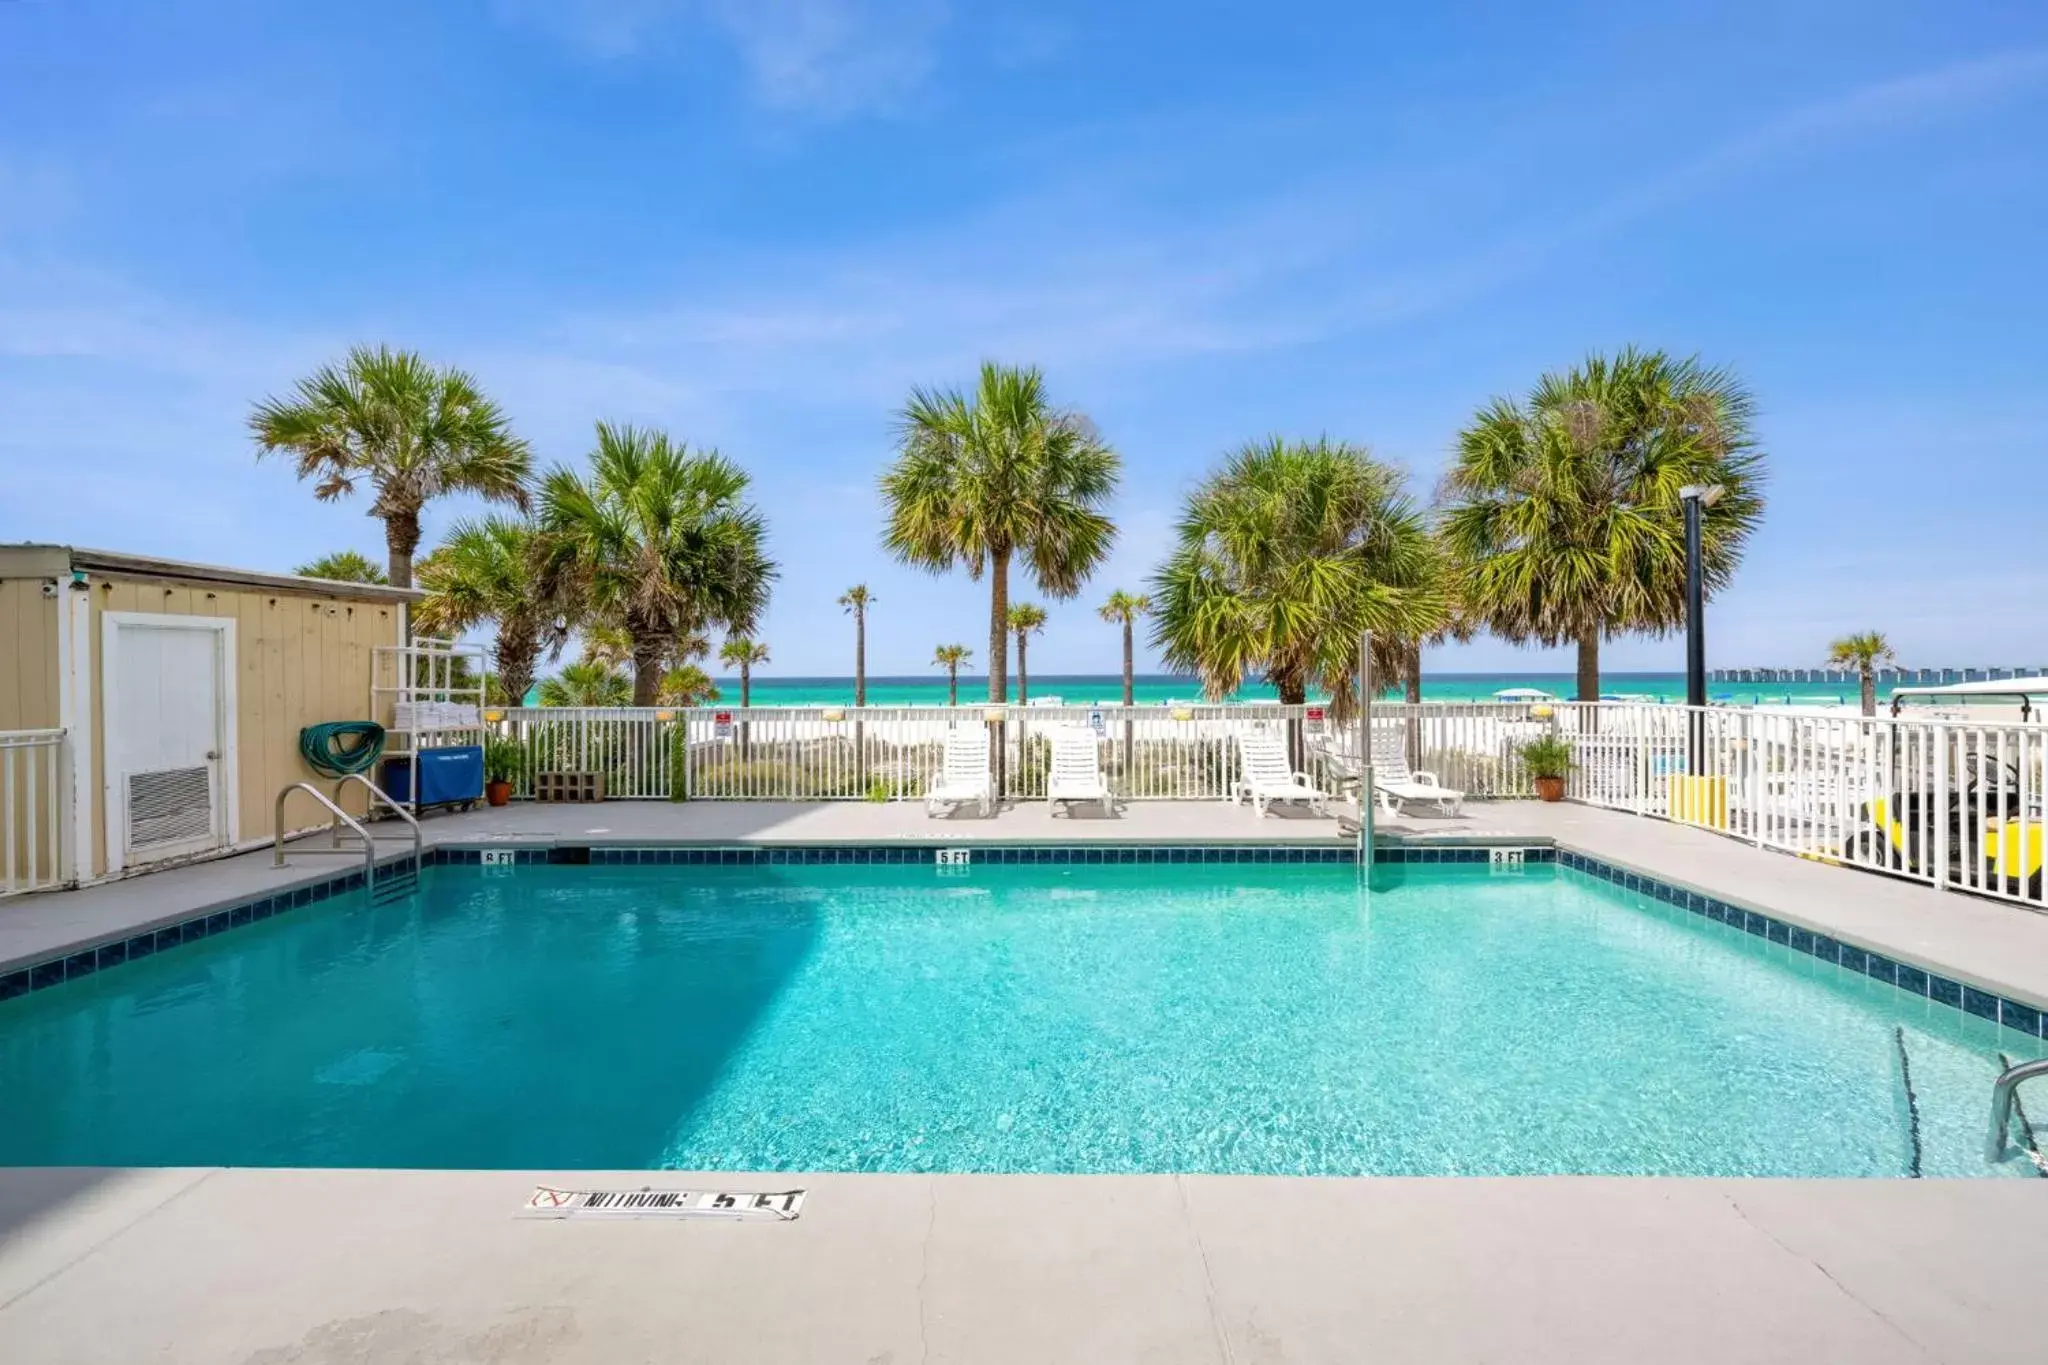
(587, 684)
(999, 473)
(412, 431)
(1561, 514)
(658, 542)
(343, 566)
(1285, 555)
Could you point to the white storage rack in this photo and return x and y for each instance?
(427, 695)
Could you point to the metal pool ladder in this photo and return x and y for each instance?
(2001, 1104)
(403, 879)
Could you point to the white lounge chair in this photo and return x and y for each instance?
(1393, 782)
(1267, 778)
(965, 777)
(1076, 772)
(1338, 756)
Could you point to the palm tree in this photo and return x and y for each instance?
(743, 654)
(1456, 625)
(586, 684)
(658, 542)
(1125, 608)
(1864, 652)
(413, 431)
(950, 657)
(1285, 555)
(1563, 511)
(343, 566)
(979, 481)
(484, 572)
(1026, 620)
(857, 599)
(686, 685)
(612, 647)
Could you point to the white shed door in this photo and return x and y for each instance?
(166, 736)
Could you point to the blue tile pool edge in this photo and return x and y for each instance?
(1915, 979)
(82, 960)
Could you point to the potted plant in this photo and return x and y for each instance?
(501, 766)
(1548, 759)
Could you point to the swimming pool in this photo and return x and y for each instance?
(1255, 1018)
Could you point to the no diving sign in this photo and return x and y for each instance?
(781, 1206)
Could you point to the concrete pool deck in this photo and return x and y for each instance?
(432, 1268)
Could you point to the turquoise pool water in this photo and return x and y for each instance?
(1245, 1018)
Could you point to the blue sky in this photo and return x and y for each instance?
(757, 223)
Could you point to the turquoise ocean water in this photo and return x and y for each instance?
(1082, 689)
(1245, 1018)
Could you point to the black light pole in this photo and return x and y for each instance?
(1695, 497)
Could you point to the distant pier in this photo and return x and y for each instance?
(1886, 677)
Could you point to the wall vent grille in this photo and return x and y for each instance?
(174, 806)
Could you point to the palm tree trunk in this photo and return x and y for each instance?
(1411, 671)
(860, 694)
(647, 652)
(1869, 681)
(516, 652)
(952, 684)
(999, 628)
(1589, 678)
(1130, 695)
(1293, 692)
(860, 656)
(999, 663)
(1023, 696)
(1129, 691)
(401, 538)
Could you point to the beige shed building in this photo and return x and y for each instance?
(164, 701)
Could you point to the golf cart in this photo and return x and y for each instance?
(1992, 827)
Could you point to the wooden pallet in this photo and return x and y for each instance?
(575, 788)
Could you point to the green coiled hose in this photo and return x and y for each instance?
(337, 748)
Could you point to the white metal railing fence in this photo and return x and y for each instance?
(1947, 802)
(31, 810)
(1176, 752)
(1472, 747)
(885, 753)
(1951, 803)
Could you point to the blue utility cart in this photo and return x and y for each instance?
(450, 776)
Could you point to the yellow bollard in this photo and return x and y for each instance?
(1700, 801)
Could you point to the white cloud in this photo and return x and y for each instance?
(1094, 274)
(835, 56)
(822, 57)
(1081, 272)
(1885, 105)
(601, 29)
(854, 325)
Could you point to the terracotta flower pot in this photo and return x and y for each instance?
(1550, 788)
(498, 793)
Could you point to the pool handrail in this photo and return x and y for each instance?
(2001, 1104)
(340, 817)
(377, 794)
